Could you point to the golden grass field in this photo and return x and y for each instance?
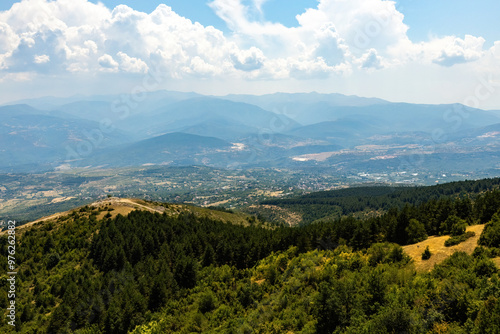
(440, 252)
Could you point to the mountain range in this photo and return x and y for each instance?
(275, 130)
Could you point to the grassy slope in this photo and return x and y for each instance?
(124, 206)
(440, 252)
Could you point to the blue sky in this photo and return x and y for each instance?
(424, 17)
(451, 17)
(408, 50)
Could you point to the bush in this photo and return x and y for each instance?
(220, 208)
(455, 240)
(485, 267)
(53, 260)
(458, 228)
(207, 302)
(491, 234)
(426, 254)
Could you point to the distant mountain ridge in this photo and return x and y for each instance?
(348, 133)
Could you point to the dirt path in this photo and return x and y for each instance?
(135, 204)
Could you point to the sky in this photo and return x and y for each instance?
(417, 51)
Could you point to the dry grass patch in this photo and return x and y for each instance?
(497, 262)
(438, 249)
(117, 209)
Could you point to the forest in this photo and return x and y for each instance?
(343, 202)
(157, 273)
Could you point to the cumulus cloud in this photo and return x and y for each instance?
(131, 64)
(78, 36)
(363, 24)
(496, 49)
(248, 60)
(107, 62)
(336, 39)
(9, 40)
(42, 59)
(456, 50)
(329, 45)
(371, 60)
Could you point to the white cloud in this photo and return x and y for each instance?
(363, 24)
(42, 59)
(371, 60)
(131, 64)
(16, 77)
(456, 50)
(8, 39)
(201, 67)
(329, 45)
(495, 50)
(339, 40)
(107, 62)
(258, 4)
(121, 40)
(248, 60)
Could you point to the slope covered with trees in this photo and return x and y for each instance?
(155, 273)
(342, 202)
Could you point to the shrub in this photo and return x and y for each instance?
(491, 234)
(207, 302)
(53, 260)
(458, 228)
(455, 240)
(426, 254)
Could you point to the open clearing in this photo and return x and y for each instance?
(439, 251)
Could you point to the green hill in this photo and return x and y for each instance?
(162, 268)
(363, 200)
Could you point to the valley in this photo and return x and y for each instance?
(233, 150)
(348, 135)
(244, 167)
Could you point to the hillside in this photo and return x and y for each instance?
(365, 201)
(172, 148)
(438, 249)
(33, 139)
(163, 268)
(113, 206)
(195, 115)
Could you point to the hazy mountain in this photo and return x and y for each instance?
(36, 138)
(197, 115)
(134, 101)
(399, 116)
(488, 136)
(25, 109)
(277, 100)
(171, 148)
(243, 131)
(224, 129)
(344, 132)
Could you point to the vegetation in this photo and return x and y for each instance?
(338, 203)
(159, 273)
(426, 255)
(455, 240)
(491, 234)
